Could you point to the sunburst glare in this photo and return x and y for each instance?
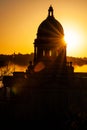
(73, 40)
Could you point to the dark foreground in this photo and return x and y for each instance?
(61, 100)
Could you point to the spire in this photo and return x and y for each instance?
(50, 11)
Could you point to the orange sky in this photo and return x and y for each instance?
(19, 21)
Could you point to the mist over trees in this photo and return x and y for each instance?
(23, 59)
(19, 59)
(77, 61)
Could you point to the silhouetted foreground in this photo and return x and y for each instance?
(46, 97)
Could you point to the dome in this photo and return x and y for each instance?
(50, 27)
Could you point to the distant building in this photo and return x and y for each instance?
(49, 46)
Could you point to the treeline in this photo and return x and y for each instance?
(77, 61)
(23, 59)
(19, 59)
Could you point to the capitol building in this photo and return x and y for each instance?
(49, 89)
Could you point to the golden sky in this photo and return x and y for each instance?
(19, 21)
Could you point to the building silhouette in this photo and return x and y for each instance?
(49, 89)
(50, 47)
(49, 44)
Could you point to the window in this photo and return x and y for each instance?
(50, 53)
(43, 52)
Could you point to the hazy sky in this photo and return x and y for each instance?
(19, 21)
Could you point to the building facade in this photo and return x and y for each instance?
(49, 46)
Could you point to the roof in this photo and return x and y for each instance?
(50, 27)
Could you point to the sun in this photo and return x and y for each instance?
(72, 39)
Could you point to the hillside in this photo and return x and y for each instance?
(23, 59)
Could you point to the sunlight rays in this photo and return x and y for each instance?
(73, 39)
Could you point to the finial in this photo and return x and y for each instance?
(50, 11)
